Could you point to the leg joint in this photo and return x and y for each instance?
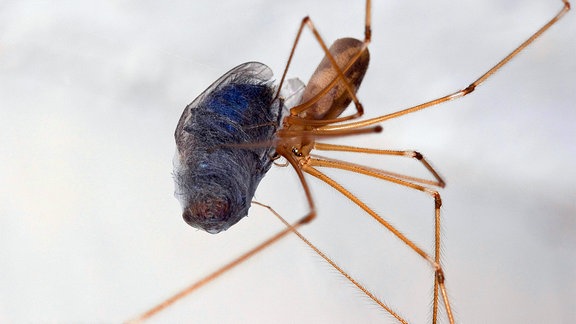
(308, 218)
(437, 199)
(469, 89)
(440, 275)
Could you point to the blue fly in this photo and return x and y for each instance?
(214, 180)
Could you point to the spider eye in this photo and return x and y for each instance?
(296, 152)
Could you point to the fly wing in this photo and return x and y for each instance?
(292, 92)
(254, 70)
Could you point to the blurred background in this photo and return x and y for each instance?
(90, 94)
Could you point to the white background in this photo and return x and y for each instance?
(90, 93)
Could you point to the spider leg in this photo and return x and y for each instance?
(439, 280)
(463, 92)
(340, 77)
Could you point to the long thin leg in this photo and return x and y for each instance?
(316, 132)
(214, 275)
(439, 182)
(295, 119)
(211, 277)
(439, 273)
(463, 92)
(336, 164)
(307, 21)
(336, 266)
(292, 134)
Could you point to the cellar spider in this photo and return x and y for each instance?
(323, 114)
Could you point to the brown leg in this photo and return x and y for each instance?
(434, 262)
(214, 275)
(463, 92)
(293, 119)
(439, 182)
(336, 266)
